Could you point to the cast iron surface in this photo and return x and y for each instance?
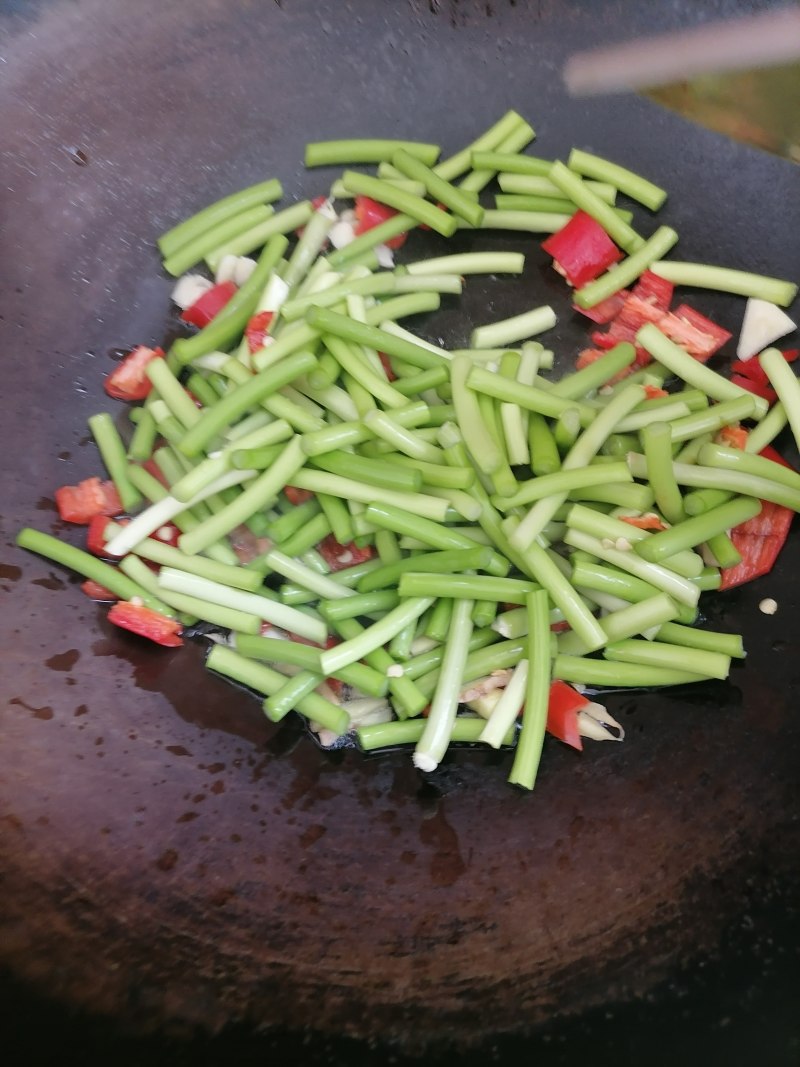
(169, 859)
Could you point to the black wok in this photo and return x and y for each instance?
(171, 863)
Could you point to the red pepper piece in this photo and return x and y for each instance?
(732, 436)
(96, 591)
(760, 539)
(80, 503)
(386, 363)
(562, 713)
(757, 388)
(297, 496)
(128, 381)
(96, 535)
(257, 329)
(652, 392)
(209, 305)
(167, 534)
(587, 356)
(750, 375)
(153, 468)
(581, 249)
(146, 623)
(371, 213)
(606, 310)
(654, 290)
(695, 333)
(339, 556)
(635, 312)
(644, 522)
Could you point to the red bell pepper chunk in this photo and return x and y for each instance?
(635, 312)
(257, 329)
(167, 534)
(209, 305)
(581, 249)
(371, 213)
(760, 539)
(339, 556)
(129, 381)
(750, 375)
(296, 496)
(732, 436)
(654, 290)
(153, 469)
(587, 356)
(96, 535)
(652, 392)
(96, 591)
(648, 521)
(766, 392)
(146, 623)
(698, 335)
(386, 363)
(562, 713)
(80, 503)
(606, 310)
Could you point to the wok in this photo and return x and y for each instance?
(171, 863)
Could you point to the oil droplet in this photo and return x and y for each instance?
(10, 572)
(312, 835)
(167, 860)
(51, 582)
(221, 897)
(63, 661)
(43, 713)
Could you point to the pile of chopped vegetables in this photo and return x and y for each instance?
(410, 545)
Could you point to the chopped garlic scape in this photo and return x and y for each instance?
(763, 323)
(189, 288)
(596, 723)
